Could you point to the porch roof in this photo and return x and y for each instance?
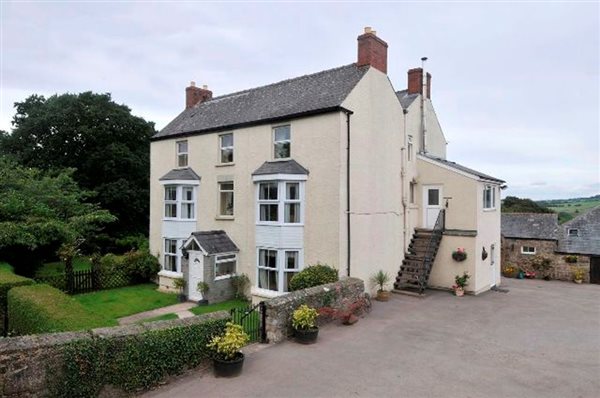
(214, 242)
(461, 168)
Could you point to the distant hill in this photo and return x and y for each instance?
(568, 209)
(512, 204)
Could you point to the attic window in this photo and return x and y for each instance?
(571, 232)
(281, 142)
(182, 153)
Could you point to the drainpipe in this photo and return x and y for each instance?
(349, 244)
(423, 91)
(404, 154)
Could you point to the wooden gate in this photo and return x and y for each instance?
(595, 269)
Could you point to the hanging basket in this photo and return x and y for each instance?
(459, 256)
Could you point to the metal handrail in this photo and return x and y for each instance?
(436, 233)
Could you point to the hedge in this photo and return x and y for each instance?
(8, 280)
(135, 362)
(314, 275)
(45, 309)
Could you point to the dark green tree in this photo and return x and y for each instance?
(512, 204)
(40, 211)
(106, 145)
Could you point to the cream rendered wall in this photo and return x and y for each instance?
(445, 268)
(435, 142)
(488, 233)
(376, 184)
(315, 145)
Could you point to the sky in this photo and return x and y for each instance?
(515, 85)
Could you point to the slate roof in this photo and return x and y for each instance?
(588, 241)
(406, 99)
(215, 242)
(180, 174)
(307, 94)
(530, 225)
(465, 169)
(280, 167)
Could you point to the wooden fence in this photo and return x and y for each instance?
(86, 281)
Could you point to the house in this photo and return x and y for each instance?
(572, 244)
(336, 167)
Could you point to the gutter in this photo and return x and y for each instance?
(250, 123)
(348, 232)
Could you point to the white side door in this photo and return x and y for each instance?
(196, 274)
(493, 265)
(432, 204)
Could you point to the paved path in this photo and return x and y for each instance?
(541, 339)
(181, 310)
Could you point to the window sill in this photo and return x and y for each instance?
(528, 254)
(180, 219)
(274, 224)
(256, 291)
(490, 209)
(281, 159)
(225, 164)
(225, 218)
(223, 277)
(170, 274)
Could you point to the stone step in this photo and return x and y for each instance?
(409, 292)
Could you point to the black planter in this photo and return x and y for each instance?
(306, 336)
(202, 302)
(231, 368)
(182, 298)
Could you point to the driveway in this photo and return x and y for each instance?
(541, 339)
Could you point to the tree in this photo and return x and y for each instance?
(107, 146)
(512, 204)
(39, 211)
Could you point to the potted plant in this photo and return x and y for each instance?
(179, 284)
(459, 254)
(460, 282)
(380, 279)
(203, 288)
(509, 271)
(578, 274)
(571, 259)
(304, 322)
(227, 357)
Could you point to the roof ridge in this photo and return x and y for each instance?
(282, 81)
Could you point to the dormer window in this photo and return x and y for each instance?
(182, 153)
(572, 232)
(281, 142)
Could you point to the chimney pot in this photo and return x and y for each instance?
(372, 50)
(192, 84)
(196, 95)
(204, 87)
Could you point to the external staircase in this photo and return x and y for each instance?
(416, 266)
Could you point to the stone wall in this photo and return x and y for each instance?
(280, 309)
(28, 364)
(511, 255)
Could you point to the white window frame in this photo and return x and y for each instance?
(176, 255)
(221, 192)
(169, 202)
(410, 148)
(280, 269)
(412, 187)
(528, 252)
(179, 202)
(281, 201)
(575, 233)
(222, 148)
(289, 141)
(220, 260)
(492, 204)
(181, 154)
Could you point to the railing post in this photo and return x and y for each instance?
(263, 322)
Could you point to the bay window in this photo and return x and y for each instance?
(276, 267)
(280, 202)
(180, 202)
(268, 202)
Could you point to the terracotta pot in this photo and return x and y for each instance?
(231, 368)
(382, 295)
(306, 336)
(350, 319)
(578, 281)
(459, 292)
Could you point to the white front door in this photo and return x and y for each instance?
(432, 204)
(195, 274)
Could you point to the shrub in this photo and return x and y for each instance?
(543, 264)
(380, 279)
(314, 275)
(140, 265)
(135, 362)
(44, 309)
(240, 284)
(227, 345)
(578, 273)
(133, 242)
(8, 280)
(571, 259)
(461, 281)
(304, 318)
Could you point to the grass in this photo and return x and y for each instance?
(571, 208)
(6, 267)
(224, 306)
(124, 301)
(58, 267)
(164, 317)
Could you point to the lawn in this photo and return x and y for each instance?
(58, 267)
(572, 208)
(6, 266)
(225, 305)
(117, 303)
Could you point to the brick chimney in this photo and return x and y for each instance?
(415, 82)
(372, 50)
(196, 95)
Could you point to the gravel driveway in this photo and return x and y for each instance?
(541, 339)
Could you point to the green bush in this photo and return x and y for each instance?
(8, 280)
(314, 275)
(140, 265)
(133, 242)
(133, 363)
(44, 309)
